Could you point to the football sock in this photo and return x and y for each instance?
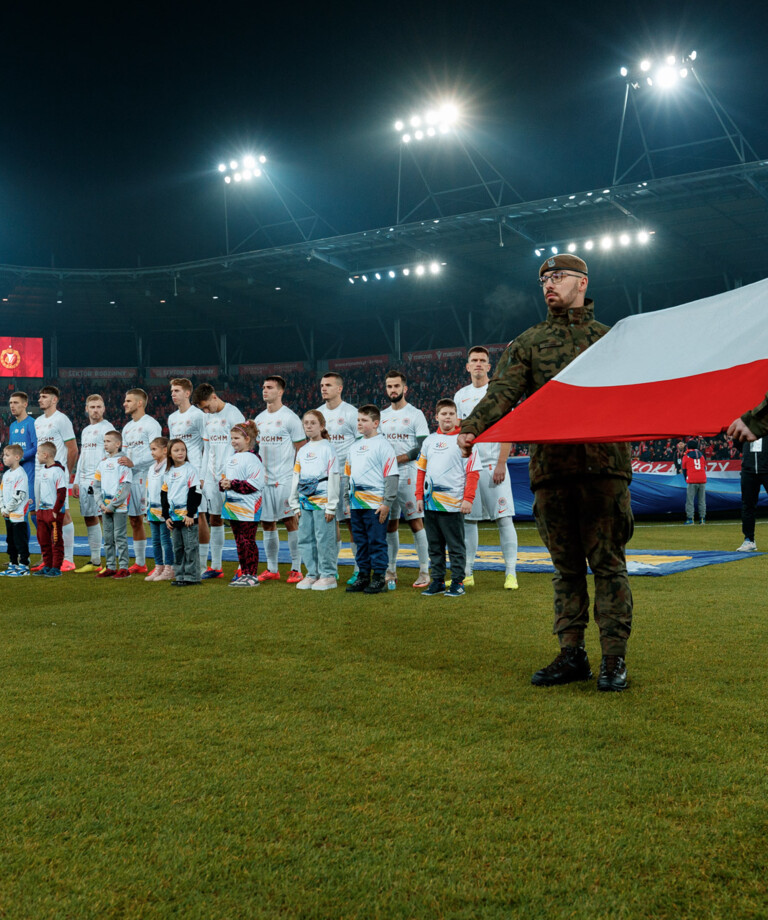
(422, 549)
(393, 545)
(293, 547)
(508, 540)
(471, 539)
(203, 548)
(217, 546)
(68, 536)
(140, 551)
(271, 549)
(94, 543)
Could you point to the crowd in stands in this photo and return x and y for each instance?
(428, 382)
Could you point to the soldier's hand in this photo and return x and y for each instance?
(465, 442)
(740, 432)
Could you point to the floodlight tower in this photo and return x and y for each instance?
(664, 76)
(244, 170)
(439, 129)
(301, 218)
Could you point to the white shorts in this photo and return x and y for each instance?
(137, 503)
(342, 509)
(406, 496)
(492, 501)
(274, 503)
(213, 499)
(88, 506)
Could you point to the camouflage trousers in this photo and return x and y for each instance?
(588, 520)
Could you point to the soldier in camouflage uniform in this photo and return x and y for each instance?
(582, 506)
(752, 425)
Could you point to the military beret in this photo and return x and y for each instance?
(564, 261)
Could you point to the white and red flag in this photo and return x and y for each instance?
(688, 370)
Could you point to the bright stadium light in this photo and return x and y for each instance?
(222, 167)
(391, 273)
(406, 272)
(431, 122)
(377, 276)
(571, 247)
(589, 245)
(233, 164)
(624, 239)
(609, 241)
(606, 243)
(420, 270)
(643, 237)
(645, 66)
(434, 267)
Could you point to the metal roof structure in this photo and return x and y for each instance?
(708, 232)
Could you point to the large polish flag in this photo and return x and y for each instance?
(688, 370)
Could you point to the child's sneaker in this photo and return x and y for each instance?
(455, 589)
(19, 571)
(8, 570)
(52, 573)
(435, 588)
(41, 571)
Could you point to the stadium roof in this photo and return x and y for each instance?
(709, 232)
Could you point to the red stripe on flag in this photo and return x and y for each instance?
(703, 404)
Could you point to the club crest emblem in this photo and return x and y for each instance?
(10, 358)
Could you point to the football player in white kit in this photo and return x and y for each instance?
(55, 427)
(341, 425)
(405, 427)
(91, 454)
(187, 424)
(493, 500)
(281, 434)
(138, 434)
(220, 418)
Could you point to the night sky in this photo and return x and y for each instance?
(113, 124)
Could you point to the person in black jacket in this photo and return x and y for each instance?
(754, 473)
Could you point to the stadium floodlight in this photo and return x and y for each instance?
(430, 122)
(233, 164)
(406, 272)
(420, 270)
(351, 280)
(365, 277)
(377, 276)
(391, 273)
(645, 65)
(434, 267)
(609, 241)
(222, 167)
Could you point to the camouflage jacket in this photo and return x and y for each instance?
(532, 359)
(757, 419)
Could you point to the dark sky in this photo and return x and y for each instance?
(113, 123)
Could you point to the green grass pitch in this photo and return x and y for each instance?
(222, 753)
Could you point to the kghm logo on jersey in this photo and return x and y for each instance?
(441, 445)
(10, 358)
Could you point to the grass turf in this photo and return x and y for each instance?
(222, 753)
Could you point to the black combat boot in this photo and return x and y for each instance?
(378, 584)
(570, 665)
(360, 583)
(613, 673)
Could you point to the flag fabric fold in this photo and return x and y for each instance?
(686, 370)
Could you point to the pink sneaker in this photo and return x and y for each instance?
(168, 574)
(155, 573)
(67, 566)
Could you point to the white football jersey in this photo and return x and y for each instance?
(137, 436)
(91, 451)
(369, 463)
(278, 433)
(57, 429)
(466, 400)
(445, 471)
(189, 427)
(401, 427)
(218, 446)
(341, 425)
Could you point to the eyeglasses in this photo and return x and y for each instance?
(557, 277)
